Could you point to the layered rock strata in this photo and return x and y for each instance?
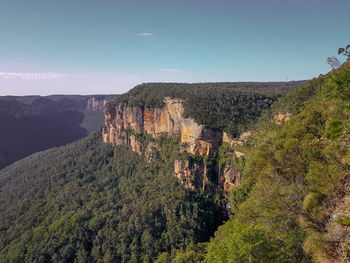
(123, 125)
(121, 120)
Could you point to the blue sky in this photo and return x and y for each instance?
(109, 46)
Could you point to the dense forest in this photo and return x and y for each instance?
(228, 106)
(91, 202)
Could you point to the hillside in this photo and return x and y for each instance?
(32, 123)
(292, 205)
(90, 201)
(93, 201)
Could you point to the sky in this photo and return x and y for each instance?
(109, 46)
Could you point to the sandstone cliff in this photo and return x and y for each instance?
(195, 138)
(124, 125)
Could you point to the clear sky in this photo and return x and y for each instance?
(109, 46)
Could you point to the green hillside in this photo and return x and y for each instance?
(293, 203)
(89, 202)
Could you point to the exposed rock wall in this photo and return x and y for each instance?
(227, 139)
(229, 177)
(196, 139)
(191, 173)
(123, 124)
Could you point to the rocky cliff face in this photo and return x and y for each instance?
(229, 177)
(124, 125)
(195, 138)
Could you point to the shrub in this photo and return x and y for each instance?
(334, 129)
(311, 201)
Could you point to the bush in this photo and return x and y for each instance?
(311, 201)
(343, 220)
(334, 129)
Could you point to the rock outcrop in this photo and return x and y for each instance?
(121, 120)
(125, 124)
(229, 177)
(227, 139)
(191, 173)
(280, 117)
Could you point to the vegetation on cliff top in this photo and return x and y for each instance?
(230, 107)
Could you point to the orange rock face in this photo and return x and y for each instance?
(192, 175)
(227, 139)
(123, 123)
(156, 121)
(280, 117)
(202, 148)
(148, 121)
(190, 132)
(135, 145)
(164, 120)
(229, 178)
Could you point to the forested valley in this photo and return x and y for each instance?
(95, 202)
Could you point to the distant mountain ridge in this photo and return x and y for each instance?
(34, 123)
(29, 105)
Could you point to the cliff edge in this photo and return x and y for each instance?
(125, 125)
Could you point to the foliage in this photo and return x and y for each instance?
(192, 254)
(293, 178)
(343, 220)
(293, 102)
(334, 129)
(91, 202)
(239, 194)
(225, 106)
(311, 201)
(240, 242)
(337, 85)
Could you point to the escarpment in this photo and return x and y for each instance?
(139, 127)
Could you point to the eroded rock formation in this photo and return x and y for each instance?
(125, 124)
(229, 177)
(280, 117)
(191, 173)
(122, 120)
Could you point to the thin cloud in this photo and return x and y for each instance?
(173, 70)
(31, 75)
(145, 34)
